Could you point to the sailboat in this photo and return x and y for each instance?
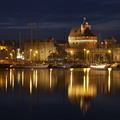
(98, 65)
(30, 66)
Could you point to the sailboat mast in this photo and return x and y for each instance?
(38, 31)
(99, 47)
(31, 34)
(31, 41)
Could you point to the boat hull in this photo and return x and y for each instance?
(62, 66)
(36, 66)
(98, 66)
(5, 65)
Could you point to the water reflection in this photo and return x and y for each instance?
(81, 93)
(94, 83)
(82, 85)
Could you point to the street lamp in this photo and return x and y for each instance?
(71, 52)
(84, 54)
(87, 55)
(109, 51)
(36, 52)
(30, 54)
(34, 56)
(11, 56)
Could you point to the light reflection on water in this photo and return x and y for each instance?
(73, 88)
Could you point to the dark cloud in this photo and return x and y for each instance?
(58, 16)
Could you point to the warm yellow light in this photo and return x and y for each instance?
(22, 78)
(84, 69)
(36, 51)
(109, 51)
(71, 69)
(71, 77)
(36, 80)
(30, 85)
(79, 90)
(10, 54)
(88, 51)
(109, 80)
(71, 52)
(50, 78)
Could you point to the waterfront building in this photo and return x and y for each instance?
(110, 42)
(80, 41)
(106, 51)
(39, 50)
(82, 37)
(116, 53)
(7, 51)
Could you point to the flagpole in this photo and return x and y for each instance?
(84, 19)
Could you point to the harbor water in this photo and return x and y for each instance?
(59, 94)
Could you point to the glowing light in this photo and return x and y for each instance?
(88, 51)
(36, 52)
(84, 69)
(109, 51)
(71, 69)
(13, 82)
(6, 83)
(50, 78)
(83, 40)
(36, 80)
(10, 76)
(71, 77)
(71, 52)
(109, 80)
(22, 78)
(18, 77)
(30, 85)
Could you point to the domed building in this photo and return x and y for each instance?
(82, 37)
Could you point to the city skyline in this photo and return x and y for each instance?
(58, 17)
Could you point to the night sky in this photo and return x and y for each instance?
(55, 18)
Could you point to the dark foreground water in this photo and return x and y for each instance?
(59, 94)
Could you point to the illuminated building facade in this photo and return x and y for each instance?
(110, 42)
(7, 51)
(116, 53)
(82, 37)
(38, 50)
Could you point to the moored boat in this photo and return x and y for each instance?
(30, 65)
(5, 65)
(98, 66)
(62, 66)
(79, 66)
